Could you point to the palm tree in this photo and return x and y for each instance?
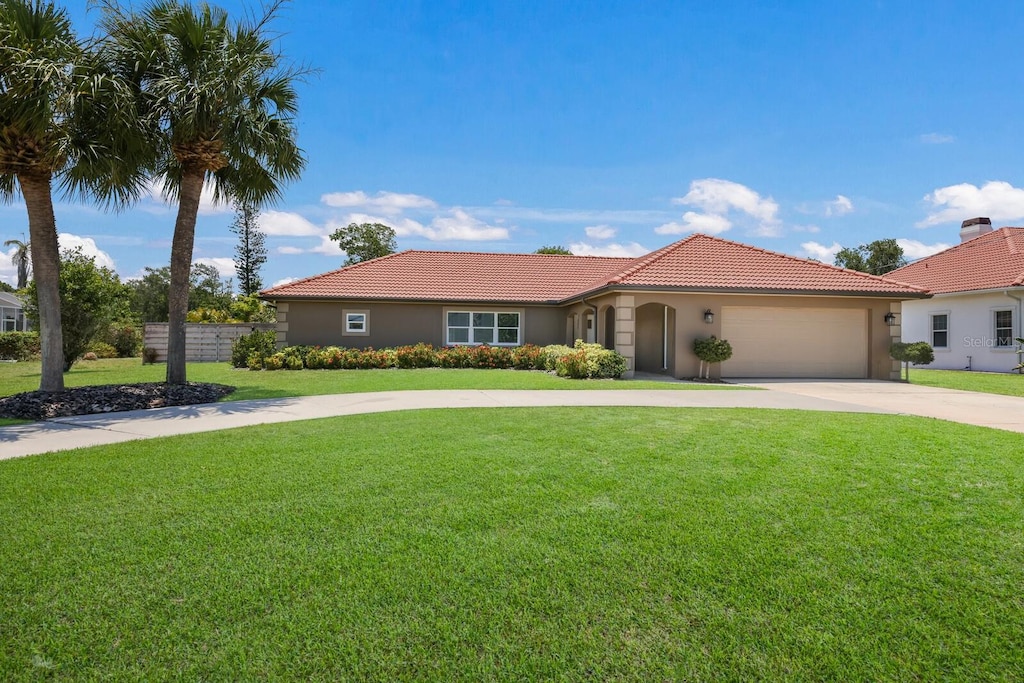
(21, 260)
(221, 104)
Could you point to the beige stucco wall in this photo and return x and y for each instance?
(394, 324)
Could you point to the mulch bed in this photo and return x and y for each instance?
(108, 398)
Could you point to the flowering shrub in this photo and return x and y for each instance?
(419, 356)
(528, 357)
(274, 362)
(455, 357)
(588, 361)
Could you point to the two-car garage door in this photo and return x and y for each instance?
(796, 342)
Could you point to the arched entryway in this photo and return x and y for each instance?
(655, 338)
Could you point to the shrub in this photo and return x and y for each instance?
(254, 362)
(528, 357)
(918, 353)
(274, 361)
(148, 355)
(259, 342)
(19, 345)
(418, 356)
(711, 350)
(491, 357)
(552, 353)
(586, 361)
(293, 362)
(455, 357)
(102, 350)
(126, 338)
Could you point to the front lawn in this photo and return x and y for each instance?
(522, 544)
(988, 382)
(18, 377)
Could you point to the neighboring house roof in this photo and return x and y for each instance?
(697, 263)
(991, 261)
(8, 299)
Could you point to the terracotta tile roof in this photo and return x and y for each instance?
(699, 262)
(705, 262)
(990, 261)
(457, 276)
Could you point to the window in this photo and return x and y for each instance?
(357, 323)
(1004, 328)
(940, 330)
(483, 327)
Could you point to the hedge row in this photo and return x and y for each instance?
(19, 346)
(582, 361)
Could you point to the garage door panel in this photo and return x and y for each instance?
(796, 342)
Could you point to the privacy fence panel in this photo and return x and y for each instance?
(204, 342)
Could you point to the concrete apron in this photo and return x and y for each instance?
(967, 407)
(94, 430)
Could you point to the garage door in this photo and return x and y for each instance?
(796, 342)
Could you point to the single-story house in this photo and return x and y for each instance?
(977, 301)
(784, 316)
(12, 313)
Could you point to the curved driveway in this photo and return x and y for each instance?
(1002, 412)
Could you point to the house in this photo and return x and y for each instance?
(977, 305)
(784, 316)
(12, 313)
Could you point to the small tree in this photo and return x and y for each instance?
(1020, 354)
(251, 250)
(877, 258)
(22, 260)
(711, 350)
(365, 241)
(554, 249)
(918, 353)
(90, 299)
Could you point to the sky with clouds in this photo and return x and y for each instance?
(616, 128)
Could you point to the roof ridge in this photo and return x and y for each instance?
(514, 253)
(350, 266)
(642, 262)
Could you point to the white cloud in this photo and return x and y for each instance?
(996, 199)
(388, 203)
(327, 247)
(600, 232)
(225, 266)
(287, 223)
(806, 228)
(631, 250)
(820, 251)
(284, 281)
(936, 138)
(717, 196)
(88, 246)
(8, 272)
(913, 249)
(710, 224)
(290, 250)
(839, 206)
(207, 207)
(456, 225)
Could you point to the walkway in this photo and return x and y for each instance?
(987, 410)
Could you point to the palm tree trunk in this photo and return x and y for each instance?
(42, 228)
(181, 267)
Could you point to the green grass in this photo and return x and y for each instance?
(18, 377)
(988, 382)
(522, 544)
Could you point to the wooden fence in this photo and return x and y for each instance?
(204, 342)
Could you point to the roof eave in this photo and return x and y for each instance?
(745, 290)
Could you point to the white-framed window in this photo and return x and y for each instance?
(357, 323)
(495, 328)
(940, 330)
(1003, 328)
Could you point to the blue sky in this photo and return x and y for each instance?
(619, 127)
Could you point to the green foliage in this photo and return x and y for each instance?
(149, 355)
(125, 337)
(365, 241)
(551, 353)
(918, 353)
(22, 261)
(251, 250)
(554, 249)
(250, 309)
(19, 346)
(877, 258)
(261, 343)
(712, 349)
(207, 289)
(590, 361)
(101, 349)
(90, 298)
(528, 357)
(418, 356)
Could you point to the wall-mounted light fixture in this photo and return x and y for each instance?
(709, 317)
(890, 318)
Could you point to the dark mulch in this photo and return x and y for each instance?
(108, 398)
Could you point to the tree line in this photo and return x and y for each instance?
(170, 92)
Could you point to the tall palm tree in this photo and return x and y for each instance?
(21, 260)
(221, 104)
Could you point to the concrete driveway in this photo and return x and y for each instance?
(968, 407)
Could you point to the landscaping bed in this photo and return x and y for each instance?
(108, 398)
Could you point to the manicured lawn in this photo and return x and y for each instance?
(987, 382)
(522, 544)
(18, 377)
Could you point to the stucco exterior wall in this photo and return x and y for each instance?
(972, 341)
(396, 324)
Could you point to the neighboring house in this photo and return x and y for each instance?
(977, 305)
(784, 316)
(12, 313)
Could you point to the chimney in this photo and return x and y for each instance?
(974, 227)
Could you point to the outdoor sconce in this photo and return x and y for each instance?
(890, 318)
(709, 317)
